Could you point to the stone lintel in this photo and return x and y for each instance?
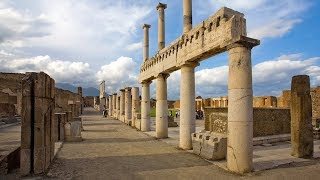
(161, 5)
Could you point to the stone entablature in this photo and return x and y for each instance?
(211, 37)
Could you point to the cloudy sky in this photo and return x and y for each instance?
(82, 42)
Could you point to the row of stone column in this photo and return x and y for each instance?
(125, 106)
(240, 113)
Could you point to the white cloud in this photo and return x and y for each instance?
(265, 18)
(134, 46)
(119, 74)
(269, 77)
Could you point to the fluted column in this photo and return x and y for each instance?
(161, 26)
(240, 113)
(187, 105)
(127, 107)
(162, 107)
(145, 106)
(187, 15)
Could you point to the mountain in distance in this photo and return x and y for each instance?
(90, 91)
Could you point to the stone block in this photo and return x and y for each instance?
(73, 131)
(171, 122)
(210, 146)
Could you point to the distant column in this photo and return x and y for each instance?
(162, 107)
(127, 107)
(146, 28)
(240, 112)
(161, 26)
(187, 105)
(145, 106)
(114, 100)
(122, 104)
(301, 118)
(135, 105)
(117, 106)
(110, 106)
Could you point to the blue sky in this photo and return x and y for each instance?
(82, 42)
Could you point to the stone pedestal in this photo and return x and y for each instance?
(301, 118)
(162, 107)
(240, 112)
(73, 131)
(127, 106)
(187, 105)
(145, 107)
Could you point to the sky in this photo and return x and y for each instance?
(83, 42)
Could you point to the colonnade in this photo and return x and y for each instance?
(240, 113)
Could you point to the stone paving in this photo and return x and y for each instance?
(113, 150)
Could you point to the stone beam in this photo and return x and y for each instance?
(211, 37)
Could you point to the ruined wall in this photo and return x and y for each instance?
(10, 83)
(265, 101)
(88, 101)
(37, 140)
(266, 121)
(62, 98)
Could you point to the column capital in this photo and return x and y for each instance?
(122, 90)
(147, 26)
(161, 6)
(146, 82)
(189, 64)
(127, 89)
(115, 94)
(244, 42)
(163, 75)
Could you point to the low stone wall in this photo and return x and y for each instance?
(62, 97)
(266, 121)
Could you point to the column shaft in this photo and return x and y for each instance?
(240, 112)
(127, 107)
(110, 106)
(162, 107)
(161, 26)
(187, 15)
(122, 104)
(145, 107)
(187, 106)
(146, 42)
(135, 104)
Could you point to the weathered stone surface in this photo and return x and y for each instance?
(301, 117)
(210, 146)
(73, 131)
(266, 121)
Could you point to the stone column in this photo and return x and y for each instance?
(117, 106)
(135, 105)
(161, 26)
(122, 104)
(162, 107)
(187, 105)
(240, 113)
(301, 117)
(127, 106)
(145, 106)
(107, 102)
(187, 15)
(146, 42)
(110, 106)
(114, 111)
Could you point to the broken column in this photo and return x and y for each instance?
(161, 26)
(162, 107)
(240, 112)
(135, 105)
(301, 117)
(122, 104)
(187, 15)
(187, 105)
(127, 107)
(145, 106)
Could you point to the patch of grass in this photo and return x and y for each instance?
(153, 112)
